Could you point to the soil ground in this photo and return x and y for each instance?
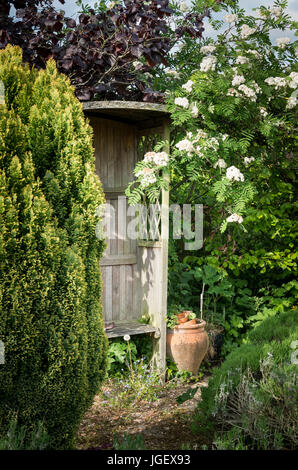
(164, 424)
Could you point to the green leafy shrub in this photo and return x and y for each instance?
(51, 317)
(251, 400)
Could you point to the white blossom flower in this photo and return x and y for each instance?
(294, 80)
(158, 158)
(255, 53)
(292, 102)
(255, 86)
(183, 102)
(276, 11)
(149, 157)
(207, 49)
(249, 92)
(234, 174)
(126, 337)
(277, 82)
(246, 31)
(148, 176)
(111, 5)
(242, 60)
(248, 160)
(194, 110)
(208, 63)
(174, 73)
(220, 164)
(183, 7)
(185, 145)
(235, 218)
(188, 86)
(282, 42)
(213, 143)
(224, 137)
(232, 92)
(198, 151)
(201, 134)
(263, 112)
(237, 80)
(231, 18)
(161, 159)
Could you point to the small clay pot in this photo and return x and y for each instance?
(183, 316)
(187, 345)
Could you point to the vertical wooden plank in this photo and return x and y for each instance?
(128, 292)
(108, 294)
(103, 294)
(114, 235)
(122, 293)
(116, 293)
(121, 232)
(136, 292)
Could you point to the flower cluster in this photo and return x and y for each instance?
(194, 110)
(248, 160)
(220, 163)
(111, 5)
(147, 176)
(277, 82)
(183, 7)
(246, 31)
(263, 112)
(188, 86)
(235, 218)
(207, 49)
(249, 92)
(208, 63)
(276, 11)
(185, 145)
(242, 60)
(234, 174)
(174, 73)
(231, 18)
(255, 53)
(237, 80)
(183, 102)
(282, 42)
(159, 159)
(294, 80)
(292, 102)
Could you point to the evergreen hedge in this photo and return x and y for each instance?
(51, 316)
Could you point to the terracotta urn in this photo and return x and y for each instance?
(187, 344)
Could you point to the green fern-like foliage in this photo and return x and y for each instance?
(51, 316)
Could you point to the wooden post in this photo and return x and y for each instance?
(159, 319)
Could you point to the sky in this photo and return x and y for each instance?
(71, 9)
